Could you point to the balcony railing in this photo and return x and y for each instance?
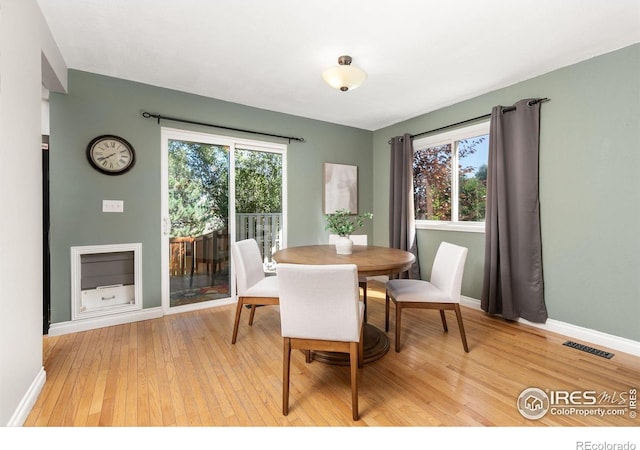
(209, 252)
(265, 228)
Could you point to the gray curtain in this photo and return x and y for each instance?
(513, 284)
(402, 227)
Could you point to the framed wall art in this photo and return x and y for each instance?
(340, 188)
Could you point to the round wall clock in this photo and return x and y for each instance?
(111, 155)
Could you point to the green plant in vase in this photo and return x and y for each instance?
(343, 223)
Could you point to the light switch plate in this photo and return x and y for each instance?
(112, 205)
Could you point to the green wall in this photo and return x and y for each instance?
(589, 190)
(589, 159)
(98, 105)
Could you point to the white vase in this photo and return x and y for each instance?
(344, 245)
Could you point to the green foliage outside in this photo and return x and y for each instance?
(258, 182)
(432, 183)
(473, 196)
(199, 186)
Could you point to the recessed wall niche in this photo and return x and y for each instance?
(105, 279)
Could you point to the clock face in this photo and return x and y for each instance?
(111, 155)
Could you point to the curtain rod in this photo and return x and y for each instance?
(485, 116)
(148, 115)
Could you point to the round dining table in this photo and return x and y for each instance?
(371, 261)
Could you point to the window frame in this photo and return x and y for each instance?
(233, 144)
(450, 137)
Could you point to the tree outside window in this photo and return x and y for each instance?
(199, 185)
(450, 176)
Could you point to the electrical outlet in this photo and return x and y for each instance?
(112, 205)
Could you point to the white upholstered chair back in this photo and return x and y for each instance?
(320, 302)
(447, 270)
(358, 239)
(247, 263)
(253, 286)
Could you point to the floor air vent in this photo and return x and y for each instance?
(586, 348)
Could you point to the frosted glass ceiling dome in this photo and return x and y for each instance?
(344, 76)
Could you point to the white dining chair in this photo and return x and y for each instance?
(442, 292)
(358, 239)
(253, 286)
(320, 309)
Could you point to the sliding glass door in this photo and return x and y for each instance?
(258, 199)
(215, 190)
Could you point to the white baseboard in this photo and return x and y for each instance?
(26, 404)
(566, 329)
(75, 326)
(573, 331)
(555, 326)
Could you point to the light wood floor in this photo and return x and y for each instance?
(181, 370)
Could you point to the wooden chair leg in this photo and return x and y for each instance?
(253, 313)
(386, 313)
(307, 356)
(239, 307)
(286, 361)
(363, 286)
(444, 320)
(398, 322)
(365, 305)
(353, 357)
(463, 335)
(361, 348)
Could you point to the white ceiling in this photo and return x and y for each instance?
(420, 55)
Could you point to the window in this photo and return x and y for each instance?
(450, 179)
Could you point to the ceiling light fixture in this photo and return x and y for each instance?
(344, 76)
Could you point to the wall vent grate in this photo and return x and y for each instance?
(586, 348)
